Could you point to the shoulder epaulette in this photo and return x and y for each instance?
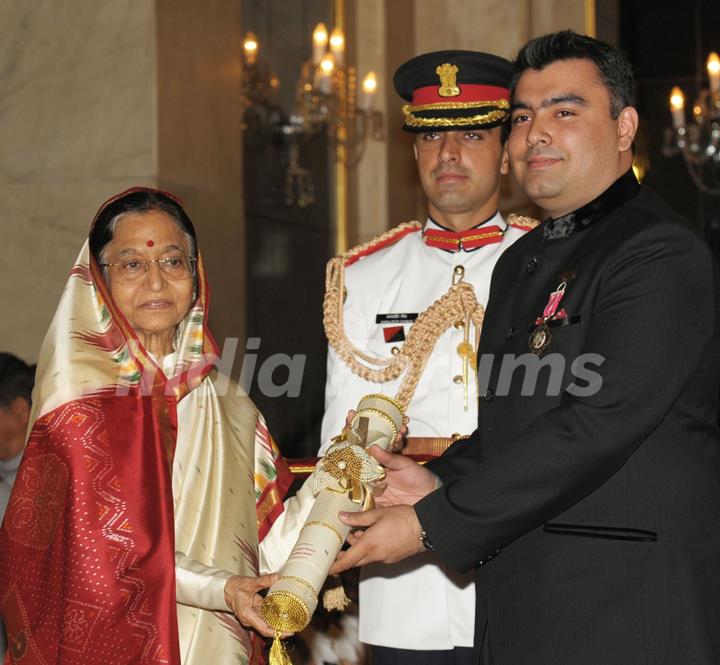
(380, 242)
(522, 222)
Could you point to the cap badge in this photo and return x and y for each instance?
(448, 85)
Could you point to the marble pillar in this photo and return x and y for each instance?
(200, 142)
(372, 201)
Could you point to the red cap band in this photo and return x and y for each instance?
(469, 92)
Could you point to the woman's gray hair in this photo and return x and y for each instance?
(112, 226)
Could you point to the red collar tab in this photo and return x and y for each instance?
(469, 92)
(453, 241)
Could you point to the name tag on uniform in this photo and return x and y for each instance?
(394, 325)
(395, 318)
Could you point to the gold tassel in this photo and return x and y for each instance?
(278, 654)
(336, 598)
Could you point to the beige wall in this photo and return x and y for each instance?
(77, 124)
(496, 26)
(550, 15)
(99, 95)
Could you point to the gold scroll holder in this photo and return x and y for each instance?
(342, 480)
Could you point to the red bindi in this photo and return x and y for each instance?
(150, 243)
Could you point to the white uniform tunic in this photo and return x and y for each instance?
(416, 603)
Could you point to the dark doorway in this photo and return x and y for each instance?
(288, 245)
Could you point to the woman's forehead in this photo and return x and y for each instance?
(153, 229)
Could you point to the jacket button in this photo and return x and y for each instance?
(458, 378)
(510, 333)
(492, 555)
(395, 350)
(531, 265)
(489, 395)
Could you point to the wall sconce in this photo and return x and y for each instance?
(327, 99)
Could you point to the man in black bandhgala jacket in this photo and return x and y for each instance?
(588, 500)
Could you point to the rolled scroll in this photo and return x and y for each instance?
(384, 420)
(340, 482)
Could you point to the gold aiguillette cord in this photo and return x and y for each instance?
(467, 353)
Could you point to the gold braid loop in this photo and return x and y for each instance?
(335, 293)
(335, 329)
(458, 304)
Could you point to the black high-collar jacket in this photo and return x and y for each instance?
(588, 500)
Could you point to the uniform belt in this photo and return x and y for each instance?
(420, 448)
(432, 446)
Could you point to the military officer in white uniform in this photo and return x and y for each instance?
(403, 315)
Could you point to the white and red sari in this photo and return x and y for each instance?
(90, 537)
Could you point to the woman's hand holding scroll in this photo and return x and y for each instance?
(242, 597)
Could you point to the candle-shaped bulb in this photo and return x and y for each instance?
(326, 69)
(327, 65)
(250, 48)
(337, 46)
(677, 107)
(367, 96)
(369, 84)
(677, 99)
(320, 40)
(713, 67)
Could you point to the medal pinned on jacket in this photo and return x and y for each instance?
(540, 335)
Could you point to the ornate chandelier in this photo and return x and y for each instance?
(699, 140)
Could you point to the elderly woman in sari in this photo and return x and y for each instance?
(133, 531)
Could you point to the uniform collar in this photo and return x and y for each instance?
(494, 227)
(622, 190)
